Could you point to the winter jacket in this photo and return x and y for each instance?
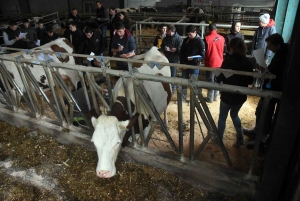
(192, 47)
(260, 35)
(31, 33)
(94, 44)
(102, 13)
(47, 39)
(240, 63)
(276, 67)
(174, 41)
(40, 32)
(214, 49)
(230, 36)
(127, 41)
(74, 37)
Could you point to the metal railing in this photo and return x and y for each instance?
(12, 94)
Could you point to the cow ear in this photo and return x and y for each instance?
(94, 121)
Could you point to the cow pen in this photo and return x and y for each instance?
(174, 159)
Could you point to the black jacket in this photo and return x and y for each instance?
(74, 37)
(276, 67)
(174, 41)
(94, 44)
(47, 39)
(240, 63)
(192, 47)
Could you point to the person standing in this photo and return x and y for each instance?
(265, 29)
(213, 58)
(275, 43)
(31, 37)
(112, 20)
(74, 35)
(41, 29)
(49, 36)
(92, 41)
(123, 45)
(234, 32)
(191, 46)
(171, 46)
(73, 16)
(102, 18)
(233, 102)
(11, 36)
(162, 30)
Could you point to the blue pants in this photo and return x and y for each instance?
(187, 72)
(211, 94)
(103, 30)
(173, 74)
(234, 110)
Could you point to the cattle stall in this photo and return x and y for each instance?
(61, 125)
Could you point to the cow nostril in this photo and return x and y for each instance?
(103, 174)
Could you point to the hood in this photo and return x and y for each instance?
(271, 23)
(127, 33)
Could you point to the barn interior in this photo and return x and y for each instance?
(270, 175)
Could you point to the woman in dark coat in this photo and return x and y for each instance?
(232, 101)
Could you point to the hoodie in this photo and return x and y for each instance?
(259, 38)
(127, 41)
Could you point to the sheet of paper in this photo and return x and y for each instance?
(91, 59)
(38, 43)
(259, 56)
(22, 35)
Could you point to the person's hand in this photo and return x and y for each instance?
(17, 38)
(167, 49)
(173, 50)
(123, 56)
(98, 19)
(120, 48)
(97, 63)
(190, 59)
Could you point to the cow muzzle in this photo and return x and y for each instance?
(103, 174)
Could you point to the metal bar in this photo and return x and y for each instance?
(129, 109)
(259, 136)
(180, 119)
(192, 125)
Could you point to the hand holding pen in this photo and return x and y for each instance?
(120, 48)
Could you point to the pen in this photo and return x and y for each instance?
(120, 44)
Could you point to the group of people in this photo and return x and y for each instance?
(212, 50)
(189, 51)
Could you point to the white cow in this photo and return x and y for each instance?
(59, 45)
(110, 130)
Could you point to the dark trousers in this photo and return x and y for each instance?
(211, 94)
(269, 115)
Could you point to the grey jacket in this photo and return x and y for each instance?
(174, 41)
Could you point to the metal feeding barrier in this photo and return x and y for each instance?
(34, 97)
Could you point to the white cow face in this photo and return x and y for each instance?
(107, 138)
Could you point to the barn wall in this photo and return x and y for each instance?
(138, 3)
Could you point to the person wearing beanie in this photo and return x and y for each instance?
(265, 29)
(11, 36)
(31, 37)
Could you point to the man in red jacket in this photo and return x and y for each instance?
(213, 58)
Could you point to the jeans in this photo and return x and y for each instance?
(173, 74)
(103, 30)
(185, 74)
(234, 110)
(211, 94)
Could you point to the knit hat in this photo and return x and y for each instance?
(265, 18)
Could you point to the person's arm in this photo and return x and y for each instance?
(131, 48)
(179, 45)
(6, 40)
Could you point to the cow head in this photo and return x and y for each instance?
(107, 138)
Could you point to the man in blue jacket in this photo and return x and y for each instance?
(123, 45)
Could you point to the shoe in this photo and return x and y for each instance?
(208, 100)
(262, 146)
(249, 133)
